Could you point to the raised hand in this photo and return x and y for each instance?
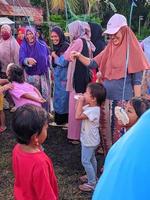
(74, 55)
(31, 61)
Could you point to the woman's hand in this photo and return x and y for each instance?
(42, 100)
(53, 54)
(74, 55)
(31, 61)
(4, 81)
(8, 86)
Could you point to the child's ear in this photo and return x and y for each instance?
(35, 140)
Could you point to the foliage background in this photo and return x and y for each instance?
(97, 11)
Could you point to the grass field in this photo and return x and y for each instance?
(65, 157)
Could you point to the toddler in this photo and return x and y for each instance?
(88, 110)
(22, 92)
(33, 170)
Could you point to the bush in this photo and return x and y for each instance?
(59, 20)
(145, 32)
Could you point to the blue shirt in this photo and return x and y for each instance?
(114, 88)
(126, 173)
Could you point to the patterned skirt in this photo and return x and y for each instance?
(42, 83)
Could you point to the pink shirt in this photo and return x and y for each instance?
(34, 176)
(76, 45)
(20, 89)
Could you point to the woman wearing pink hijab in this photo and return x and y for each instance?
(78, 75)
(9, 48)
(121, 65)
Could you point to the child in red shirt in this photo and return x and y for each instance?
(33, 170)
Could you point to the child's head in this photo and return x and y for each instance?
(15, 73)
(95, 92)
(135, 108)
(30, 124)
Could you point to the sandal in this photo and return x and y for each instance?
(83, 179)
(85, 187)
(51, 116)
(54, 124)
(74, 141)
(65, 126)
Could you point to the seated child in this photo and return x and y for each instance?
(88, 110)
(22, 92)
(33, 170)
(3, 88)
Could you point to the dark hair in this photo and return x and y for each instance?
(98, 91)
(16, 73)
(28, 120)
(140, 105)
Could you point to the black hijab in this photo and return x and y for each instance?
(96, 37)
(63, 44)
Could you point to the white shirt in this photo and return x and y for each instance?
(90, 127)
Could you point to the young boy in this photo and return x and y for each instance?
(33, 170)
(88, 110)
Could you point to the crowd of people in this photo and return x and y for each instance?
(90, 78)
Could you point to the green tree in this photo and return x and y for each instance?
(37, 3)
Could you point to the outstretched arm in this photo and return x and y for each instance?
(38, 92)
(77, 55)
(33, 98)
(6, 87)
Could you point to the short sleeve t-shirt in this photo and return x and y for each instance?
(34, 176)
(90, 127)
(20, 89)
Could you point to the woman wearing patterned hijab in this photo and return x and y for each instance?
(60, 66)
(34, 57)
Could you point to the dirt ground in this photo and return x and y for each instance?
(65, 157)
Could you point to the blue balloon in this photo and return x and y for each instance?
(126, 173)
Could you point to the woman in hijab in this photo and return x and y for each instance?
(60, 66)
(98, 41)
(20, 35)
(121, 65)
(96, 38)
(126, 171)
(78, 75)
(9, 49)
(34, 57)
(39, 34)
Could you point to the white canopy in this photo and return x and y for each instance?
(5, 20)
